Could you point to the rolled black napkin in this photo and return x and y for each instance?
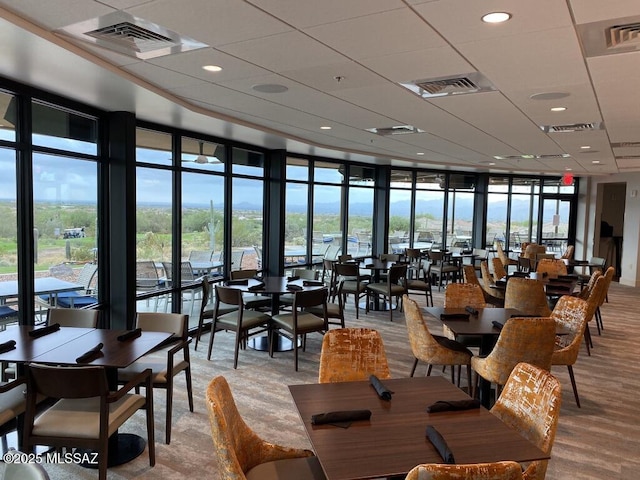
(340, 416)
(90, 354)
(257, 286)
(382, 391)
(453, 405)
(452, 344)
(471, 310)
(294, 277)
(440, 444)
(130, 335)
(242, 281)
(7, 346)
(520, 274)
(312, 283)
(369, 265)
(497, 324)
(294, 287)
(454, 316)
(41, 332)
(500, 283)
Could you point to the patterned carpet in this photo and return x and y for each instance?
(599, 441)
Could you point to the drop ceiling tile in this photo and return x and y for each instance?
(334, 77)
(54, 15)
(587, 11)
(161, 77)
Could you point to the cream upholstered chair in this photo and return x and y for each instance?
(474, 471)
(552, 267)
(164, 362)
(395, 286)
(12, 404)
(68, 317)
(527, 296)
(571, 313)
(352, 354)
(530, 404)
(24, 471)
(432, 349)
(86, 413)
(528, 340)
(208, 309)
(241, 454)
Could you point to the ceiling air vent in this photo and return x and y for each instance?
(531, 157)
(610, 37)
(625, 145)
(397, 130)
(459, 85)
(622, 35)
(573, 127)
(130, 35)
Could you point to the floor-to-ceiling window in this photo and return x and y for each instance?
(327, 206)
(460, 202)
(296, 236)
(400, 208)
(429, 210)
(523, 215)
(497, 207)
(360, 212)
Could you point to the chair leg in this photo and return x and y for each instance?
(469, 378)
(587, 340)
(413, 370)
(598, 320)
(167, 427)
(187, 373)
(573, 384)
(429, 370)
(211, 337)
(151, 438)
(459, 374)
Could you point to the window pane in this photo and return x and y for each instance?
(153, 147)
(246, 222)
(460, 219)
(401, 179)
(399, 219)
(202, 155)
(326, 217)
(295, 225)
(247, 163)
(360, 220)
(429, 210)
(328, 172)
(9, 224)
(8, 118)
(297, 169)
(64, 130)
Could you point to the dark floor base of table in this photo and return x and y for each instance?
(129, 446)
(282, 344)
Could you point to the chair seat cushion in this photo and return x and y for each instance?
(417, 285)
(255, 301)
(333, 310)
(223, 308)
(81, 417)
(350, 286)
(12, 403)
(250, 319)
(306, 468)
(383, 288)
(158, 367)
(306, 321)
(75, 301)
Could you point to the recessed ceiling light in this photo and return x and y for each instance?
(420, 153)
(212, 68)
(496, 17)
(558, 109)
(492, 163)
(585, 147)
(568, 169)
(325, 127)
(270, 88)
(595, 162)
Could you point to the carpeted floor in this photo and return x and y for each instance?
(599, 441)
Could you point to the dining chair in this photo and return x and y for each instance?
(164, 361)
(335, 310)
(414, 257)
(286, 299)
(572, 314)
(350, 283)
(422, 284)
(551, 266)
(12, 404)
(352, 354)
(499, 272)
(300, 322)
(148, 279)
(568, 253)
(236, 260)
(251, 300)
(85, 413)
(208, 309)
(440, 268)
(433, 349)
(504, 258)
(78, 299)
(608, 277)
(328, 276)
(530, 340)
(530, 404)
(23, 471)
(394, 287)
(187, 276)
(243, 322)
(73, 317)
(527, 296)
(461, 295)
(493, 296)
(241, 454)
(476, 471)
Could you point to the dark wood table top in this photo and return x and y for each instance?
(273, 285)
(393, 441)
(475, 325)
(375, 264)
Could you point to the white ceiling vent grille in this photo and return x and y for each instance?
(396, 130)
(622, 35)
(130, 35)
(444, 86)
(573, 127)
(610, 37)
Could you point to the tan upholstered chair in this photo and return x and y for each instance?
(166, 362)
(73, 317)
(585, 292)
(551, 266)
(528, 340)
(568, 253)
(86, 413)
(475, 471)
(492, 295)
(299, 322)
(572, 314)
(460, 295)
(499, 272)
(608, 276)
(352, 354)
(527, 296)
(243, 322)
(593, 300)
(394, 286)
(432, 349)
(241, 454)
(530, 404)
(504, 258)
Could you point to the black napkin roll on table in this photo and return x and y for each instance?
(452, 344)
(471, 310)
(453, 405)
(90, 354)
(440, 444)
(454, 316)
(340, 416)
(312, 283)
(369, 265)
(130, 335)
(294, 287)
(7, 346)
(293, 277)
(242, 281)
(257, 286)
(41, 332)
(382, 391)
(497, 324)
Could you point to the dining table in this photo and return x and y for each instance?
(273, 286)
(64, 345)
(393, 441)
(45, 286)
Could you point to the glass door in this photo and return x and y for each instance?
(555, 227)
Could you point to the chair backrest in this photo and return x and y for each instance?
(599, 262)
(527, 296)
(475, 471)
(486, 276)
(524, 264)
(186, 272)
(73, 317)
(236, 259)
(200, 255)
(504, 258)
(533, 250)
(608, 277)
(344, 257)
(469, 274)
(235, 444)
(390, 257)
(498, 269)
(242, 274)
(175, 323)
(86, 275)
(352, 354)
(230, 296)
(436, 258)
(347, 270)
(530, 403)
(305, 273)
(206, 294)
(397, 274)
(310, 298)
(568, 253)
(552, 266)
(332, 252)
(57, 382)
(422, 343)
(460, 295)
(585, 293)
(146, 274)
(412, 253)
(530, 340)
(571, 313)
